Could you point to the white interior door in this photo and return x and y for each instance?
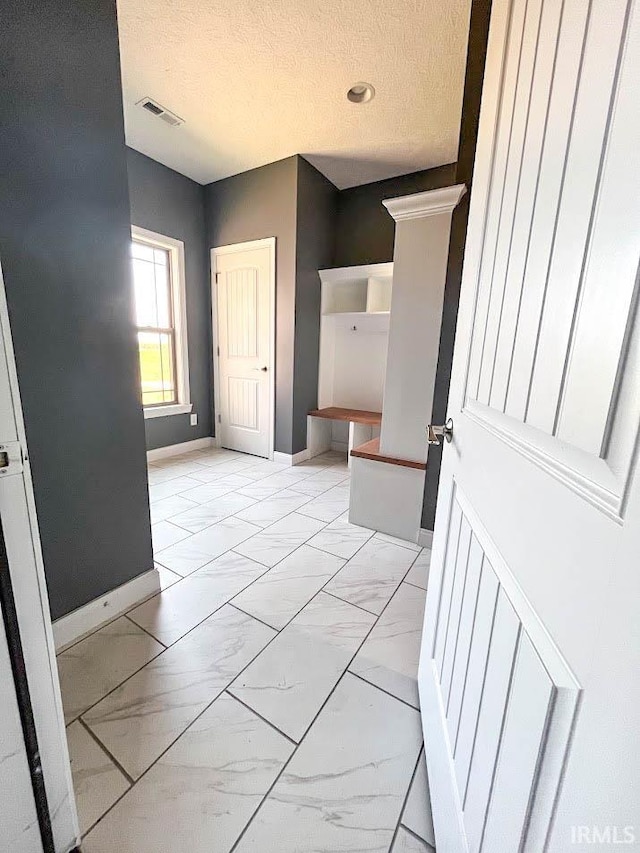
(529, 677)
(26, 572)
(244, 288)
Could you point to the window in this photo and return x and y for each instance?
(158, 281)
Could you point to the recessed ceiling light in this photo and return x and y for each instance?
(361, 93)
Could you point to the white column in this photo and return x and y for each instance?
(419, 272)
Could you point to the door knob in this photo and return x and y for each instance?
(262, 369)
(435, 433)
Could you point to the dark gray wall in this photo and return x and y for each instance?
(317, 201)
(251, 206)
(476, 56)
(64, 233)
(364, 229)
(171, 204)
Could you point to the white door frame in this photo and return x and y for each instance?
(266, 243)
(20, 524)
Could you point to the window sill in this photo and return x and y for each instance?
(166, 411)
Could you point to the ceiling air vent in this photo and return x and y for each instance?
(160, 112)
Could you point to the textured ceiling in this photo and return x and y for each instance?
(259, 80)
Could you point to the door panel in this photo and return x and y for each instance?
(531, 640)
(19, 828)
(244, 298)
(494, 719)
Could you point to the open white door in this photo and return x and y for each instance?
(529, 676)
(244, 345)
(29, 594)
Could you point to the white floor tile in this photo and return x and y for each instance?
(290, 680)
(147, 713)
(417, 812)
(389, 656)
(165, 508)
(200, 548)
(341, 538)
(259, 491)
(281, 539)
(344, 788)
(204, 515)
(284, 590)
(164, 534)
(318, 484)
(272, 509)
(173, 487)
(205, 492)
(94, 666)
(407, 843)
(419, 571)
(97, 782)
(329, 505)
(200, 795)
(217, 473)
(285, 479)
(371, 577)
(170, 614)
(167, 577)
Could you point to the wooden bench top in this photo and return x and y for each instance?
(371, 450)
(358, 416)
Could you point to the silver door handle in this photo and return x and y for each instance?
(435, 433)
(262, 369)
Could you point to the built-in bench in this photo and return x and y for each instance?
(362, 426)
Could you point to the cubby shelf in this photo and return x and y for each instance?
(354, 330)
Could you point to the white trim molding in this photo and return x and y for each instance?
(291, 458)
(166, 411)
(175, 248)
(265, 243)
(77, 624)
(429, 203)
(179, 449)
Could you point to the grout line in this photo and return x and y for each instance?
(257, 618)
(406, 797)
(415, 835)
(414, 585)
(382, 690)
(108, 752)
(253, 711)
(344, 601)
(148, 633)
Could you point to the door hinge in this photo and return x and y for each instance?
(218, 351)
(219, 419)
(218, 277)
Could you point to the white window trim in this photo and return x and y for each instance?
(179, 294)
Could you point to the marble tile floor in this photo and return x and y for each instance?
(266, 699)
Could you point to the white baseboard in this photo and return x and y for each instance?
(179, 449)
(340, 446)
(291, 458)
(88, 618)
(425, 537)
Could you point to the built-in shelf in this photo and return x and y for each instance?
(354, 332)
(358, 416)
(363, 289)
